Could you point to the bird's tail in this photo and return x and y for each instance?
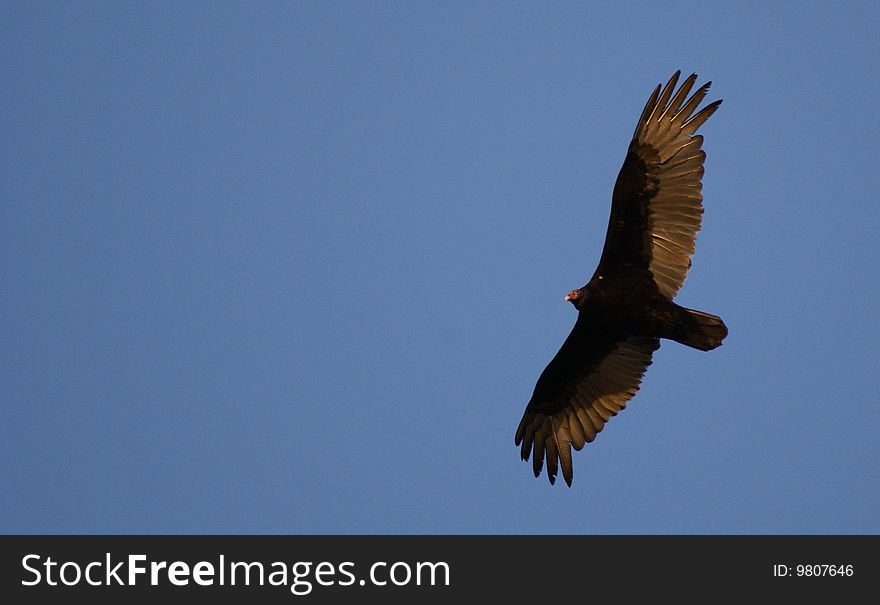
(699, 330)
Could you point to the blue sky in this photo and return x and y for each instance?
(295, 267)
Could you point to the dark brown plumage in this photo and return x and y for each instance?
(626, 307)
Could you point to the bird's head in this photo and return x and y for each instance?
(576, 297)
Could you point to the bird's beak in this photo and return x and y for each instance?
(568, 297)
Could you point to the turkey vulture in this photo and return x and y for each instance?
(626, 307)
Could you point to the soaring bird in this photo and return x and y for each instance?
(626, 307)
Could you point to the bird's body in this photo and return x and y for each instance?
(627, 307)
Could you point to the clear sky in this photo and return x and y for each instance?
(295, 267)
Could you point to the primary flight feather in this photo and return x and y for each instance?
(626, 307)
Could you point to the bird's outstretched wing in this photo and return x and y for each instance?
(590, 379)
(656, 207)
